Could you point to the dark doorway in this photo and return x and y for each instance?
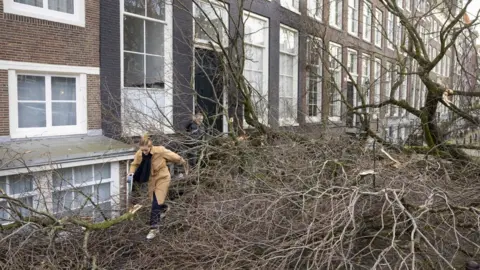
(209, 88)
(350, 100)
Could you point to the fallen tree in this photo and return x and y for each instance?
(278, 204)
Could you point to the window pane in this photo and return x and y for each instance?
(133, 34)
(82, 174)
(255, 31)
(208, 20)
(135, 6)
(31, 115)
(31, 87)
(66, 6)
(154, 37)
(4, 216)
(102, 192)
(62, 178)
(133, 70)
(106, 209)
(155, 72)
(62, 201)
(287, 41)
(35, 3)
(63, 88)
(64, 114)
(102, 171)
(3, 183)
(156, 9)
(83, 196)
(20, 184)
(27, 201)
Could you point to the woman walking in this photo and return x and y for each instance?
(150, 166)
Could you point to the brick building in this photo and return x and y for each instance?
(51, 139)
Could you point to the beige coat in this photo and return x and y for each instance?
(160, 175)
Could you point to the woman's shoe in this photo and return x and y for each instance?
(164, 212)
(152, 234)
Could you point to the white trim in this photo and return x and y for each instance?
(37, 67)
(294, 120)
(168, 68)
(365, 7)
(78, 18)
(224, 11)
(318, 118)
(295, 9)
(266, 52)
(81, 126)
(65, 165)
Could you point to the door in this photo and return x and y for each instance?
(209, 88)
(350, 99)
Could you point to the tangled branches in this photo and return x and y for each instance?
(288, 205)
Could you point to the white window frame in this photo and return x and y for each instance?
(353, 69)
(367, 21)
(377, 89)
(149, 94)
(43, 13)
(81, 104)
(319, 67)
(224, 13)
(71, 187)
(335, 103)
(42, 191)
(291, 121)
(378, 28)
(314, 7)
(390, 30)
(336, 13)
(353, 12)
(388, 85)
(263, 118)
(408, 5)
(294, 5)
(366, 75)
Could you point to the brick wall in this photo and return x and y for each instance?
(4, 124)
(34, 40)
(28, 39)
(94, 109)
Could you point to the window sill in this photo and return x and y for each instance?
(336, 27)
(77, 19)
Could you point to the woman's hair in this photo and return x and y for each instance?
(145, 140)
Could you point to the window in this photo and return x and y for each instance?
(408, 5)
(366, 67)
(336, 8)
(84, 190)
(211, 22)
(402, 95)
(88, 191)
(390, 30)
(336, 81)
(315, 9)
(352, 62)
(62, 11)
(400, 3)
(367, 21)
(388, 85)
(396, 96)
(292, 5)
(146, 67)
(314, 78)
(378, 27)
(288, 75)
(398, 33)
(353, 17)
(47, 105)
(377, 73)
(20, 187)
(256, 62)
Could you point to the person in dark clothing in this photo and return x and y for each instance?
(195, 131)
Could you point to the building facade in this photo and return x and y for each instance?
(76, 75)
(54, 156)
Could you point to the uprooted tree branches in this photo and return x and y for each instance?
(283, 204)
